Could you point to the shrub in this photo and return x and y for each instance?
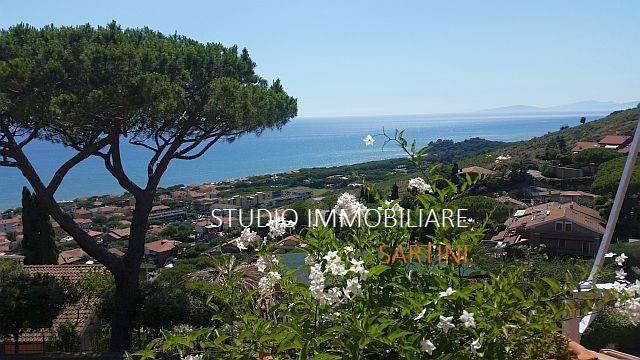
(595, 156)
(606, 180)
(614, 331)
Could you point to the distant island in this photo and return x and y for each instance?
(581, 106)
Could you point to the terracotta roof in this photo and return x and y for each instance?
(155, 229)
(615, 140)
(71, 256)
(83, 221)
(93, 233)
(162, 245)
(160, 208)
(79, 313)
(13, 220)
(553, 211)
(583, 145)
(116, 251)
(120, 233)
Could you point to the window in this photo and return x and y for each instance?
(568, 226)
(559, 226)
(562, 244)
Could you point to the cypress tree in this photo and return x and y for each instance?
(395, 192)
(38, 243)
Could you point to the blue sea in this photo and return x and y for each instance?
(303, 142)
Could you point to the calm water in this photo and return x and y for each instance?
(301, 143)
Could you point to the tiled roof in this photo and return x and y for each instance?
(120, 233)
(162, 245)
(583, 145)
(71, 256)
(79, 314)
(544, 213)
(614, 140)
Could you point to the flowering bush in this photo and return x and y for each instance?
(352, 305)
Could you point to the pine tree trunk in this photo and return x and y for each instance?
(125, 311)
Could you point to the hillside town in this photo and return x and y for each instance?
(536, 213)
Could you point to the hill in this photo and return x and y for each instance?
(619, 122)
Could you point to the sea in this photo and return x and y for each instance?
(303, 142)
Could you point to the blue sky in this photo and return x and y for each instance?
(400, 57)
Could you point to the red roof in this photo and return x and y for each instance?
(80, 314)
(615, 140)
(71, 256)
(583, 145)
(162, 245)
(160, 208)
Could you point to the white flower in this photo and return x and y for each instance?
(445, 323)
(358, 268)
(278, 226)
(420, 185)
(427, 346)
(193, 357)
(352, 289)
(467, 319)
(447, 292)
(334, 264)
(348, 249)
(368, 140)
(620, 274)
(332, 296)
(475, 345)
(267, 283)
(261, 264)
(421, 315)
(348, 208)
(609, 255)
(618, 287)
(316, 282)
(309, 260)
(620, 259)
(245, 238)
(396, 207)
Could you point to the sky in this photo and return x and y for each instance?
(348, 58)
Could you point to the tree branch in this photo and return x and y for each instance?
(111, 261)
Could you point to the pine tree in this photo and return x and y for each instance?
(395, 192)
(38, 244)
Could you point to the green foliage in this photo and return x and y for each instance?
(607, 178)
(595, 156)
(394, 192)
(613, 331)
(180, 231)
(28, 302)
(38, 244)
(517, 311)
(66, 338)
(480, 208)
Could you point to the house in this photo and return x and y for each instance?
(563, 172)
(104, 210)
(584, 145)
(4, 244)
(72, 256)
(616, 142)
(565, 229)
(542, 195)
(205, 227)
(8, 225)
(289, 243)
(85, 224)
(117, 235)
(82, 213)
(300, 193)
(165, 213)
(81, 313)
(476, 170)
(160, 251)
